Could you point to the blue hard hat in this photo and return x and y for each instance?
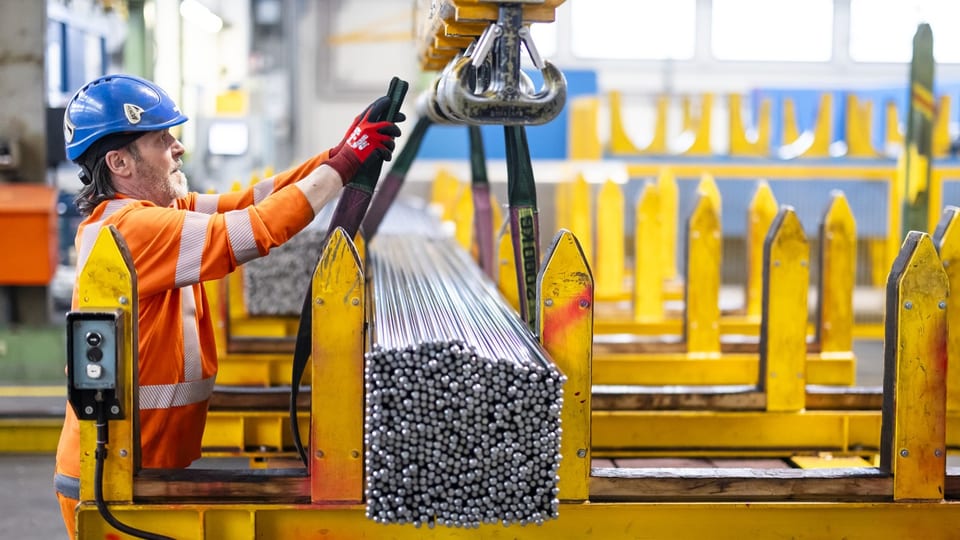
(116, 104)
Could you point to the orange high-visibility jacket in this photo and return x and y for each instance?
(201, 237)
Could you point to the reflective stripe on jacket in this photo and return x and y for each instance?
(199, 238)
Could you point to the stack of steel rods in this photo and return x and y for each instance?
(462, 403)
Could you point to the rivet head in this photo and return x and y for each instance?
(123, 452)
(584, 304)
(548, 302)
(908, 304)
(942, 305)
(904, 453)
(354, 454)
(318, 301)
(319, 453)
(123, 300)
(355, 301)
(938, 452)
(582, 452)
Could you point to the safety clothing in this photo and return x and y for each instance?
(116, 104)
(199, 238)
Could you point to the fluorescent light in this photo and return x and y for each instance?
(198, 14)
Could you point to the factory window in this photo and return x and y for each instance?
(633, 29)
(882, 30)
(772, 30)
(545, 38)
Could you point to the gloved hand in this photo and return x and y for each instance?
(368, 135)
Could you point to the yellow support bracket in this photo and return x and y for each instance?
(700, 145)
(565, 323)
(581, 215)
(108, 281)
(763, 210)
(859, 128)
(783, 328)
(609, 267)
(648, 250)
(336, 435)
(702, 284)
(838, 272)
(582, 131)
(915, 362)
(741, 144)
(620, 143)
(946, 237)
(669, 204)
(893, 134)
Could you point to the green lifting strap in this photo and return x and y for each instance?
(349, 213)
(524, 221)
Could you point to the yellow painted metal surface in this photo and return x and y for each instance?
(708, 187)
(727, 368)
(582, 132)
(702, 306)
(254, 433)
(822, 130)
(700, 146)
(893, 134)
(250, 431)
(669, 204)
(918, 390)
(763, 208)
(443, 190)
(744, 141)
(33, 435)
(680, 521)
(610, 261)
(648, 250)
(859, 128)
(462, 215)
(561, 205)
(830, 461)
(565, 323)
(336, 434)
(620, 143)
(706, 432)
(507, 269)
(947, 240)
(581, 215)
(791, 131)
(838, 273)
(783, 334)
(108, 282)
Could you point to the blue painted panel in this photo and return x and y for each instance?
(548, 141)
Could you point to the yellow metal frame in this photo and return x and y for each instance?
(900, 498)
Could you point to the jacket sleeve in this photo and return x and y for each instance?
(210, 203)
(173, 248)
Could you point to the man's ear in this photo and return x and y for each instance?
(119, 162)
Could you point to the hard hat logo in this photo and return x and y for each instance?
(133, 113)
(68, 130)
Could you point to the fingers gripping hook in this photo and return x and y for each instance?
(486, 85)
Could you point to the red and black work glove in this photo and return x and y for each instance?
(367, 136)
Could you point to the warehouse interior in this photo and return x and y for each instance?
(634, 269)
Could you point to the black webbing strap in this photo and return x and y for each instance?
(349, 213)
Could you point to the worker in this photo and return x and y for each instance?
(117, 129)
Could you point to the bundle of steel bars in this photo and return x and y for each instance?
(462, 403)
